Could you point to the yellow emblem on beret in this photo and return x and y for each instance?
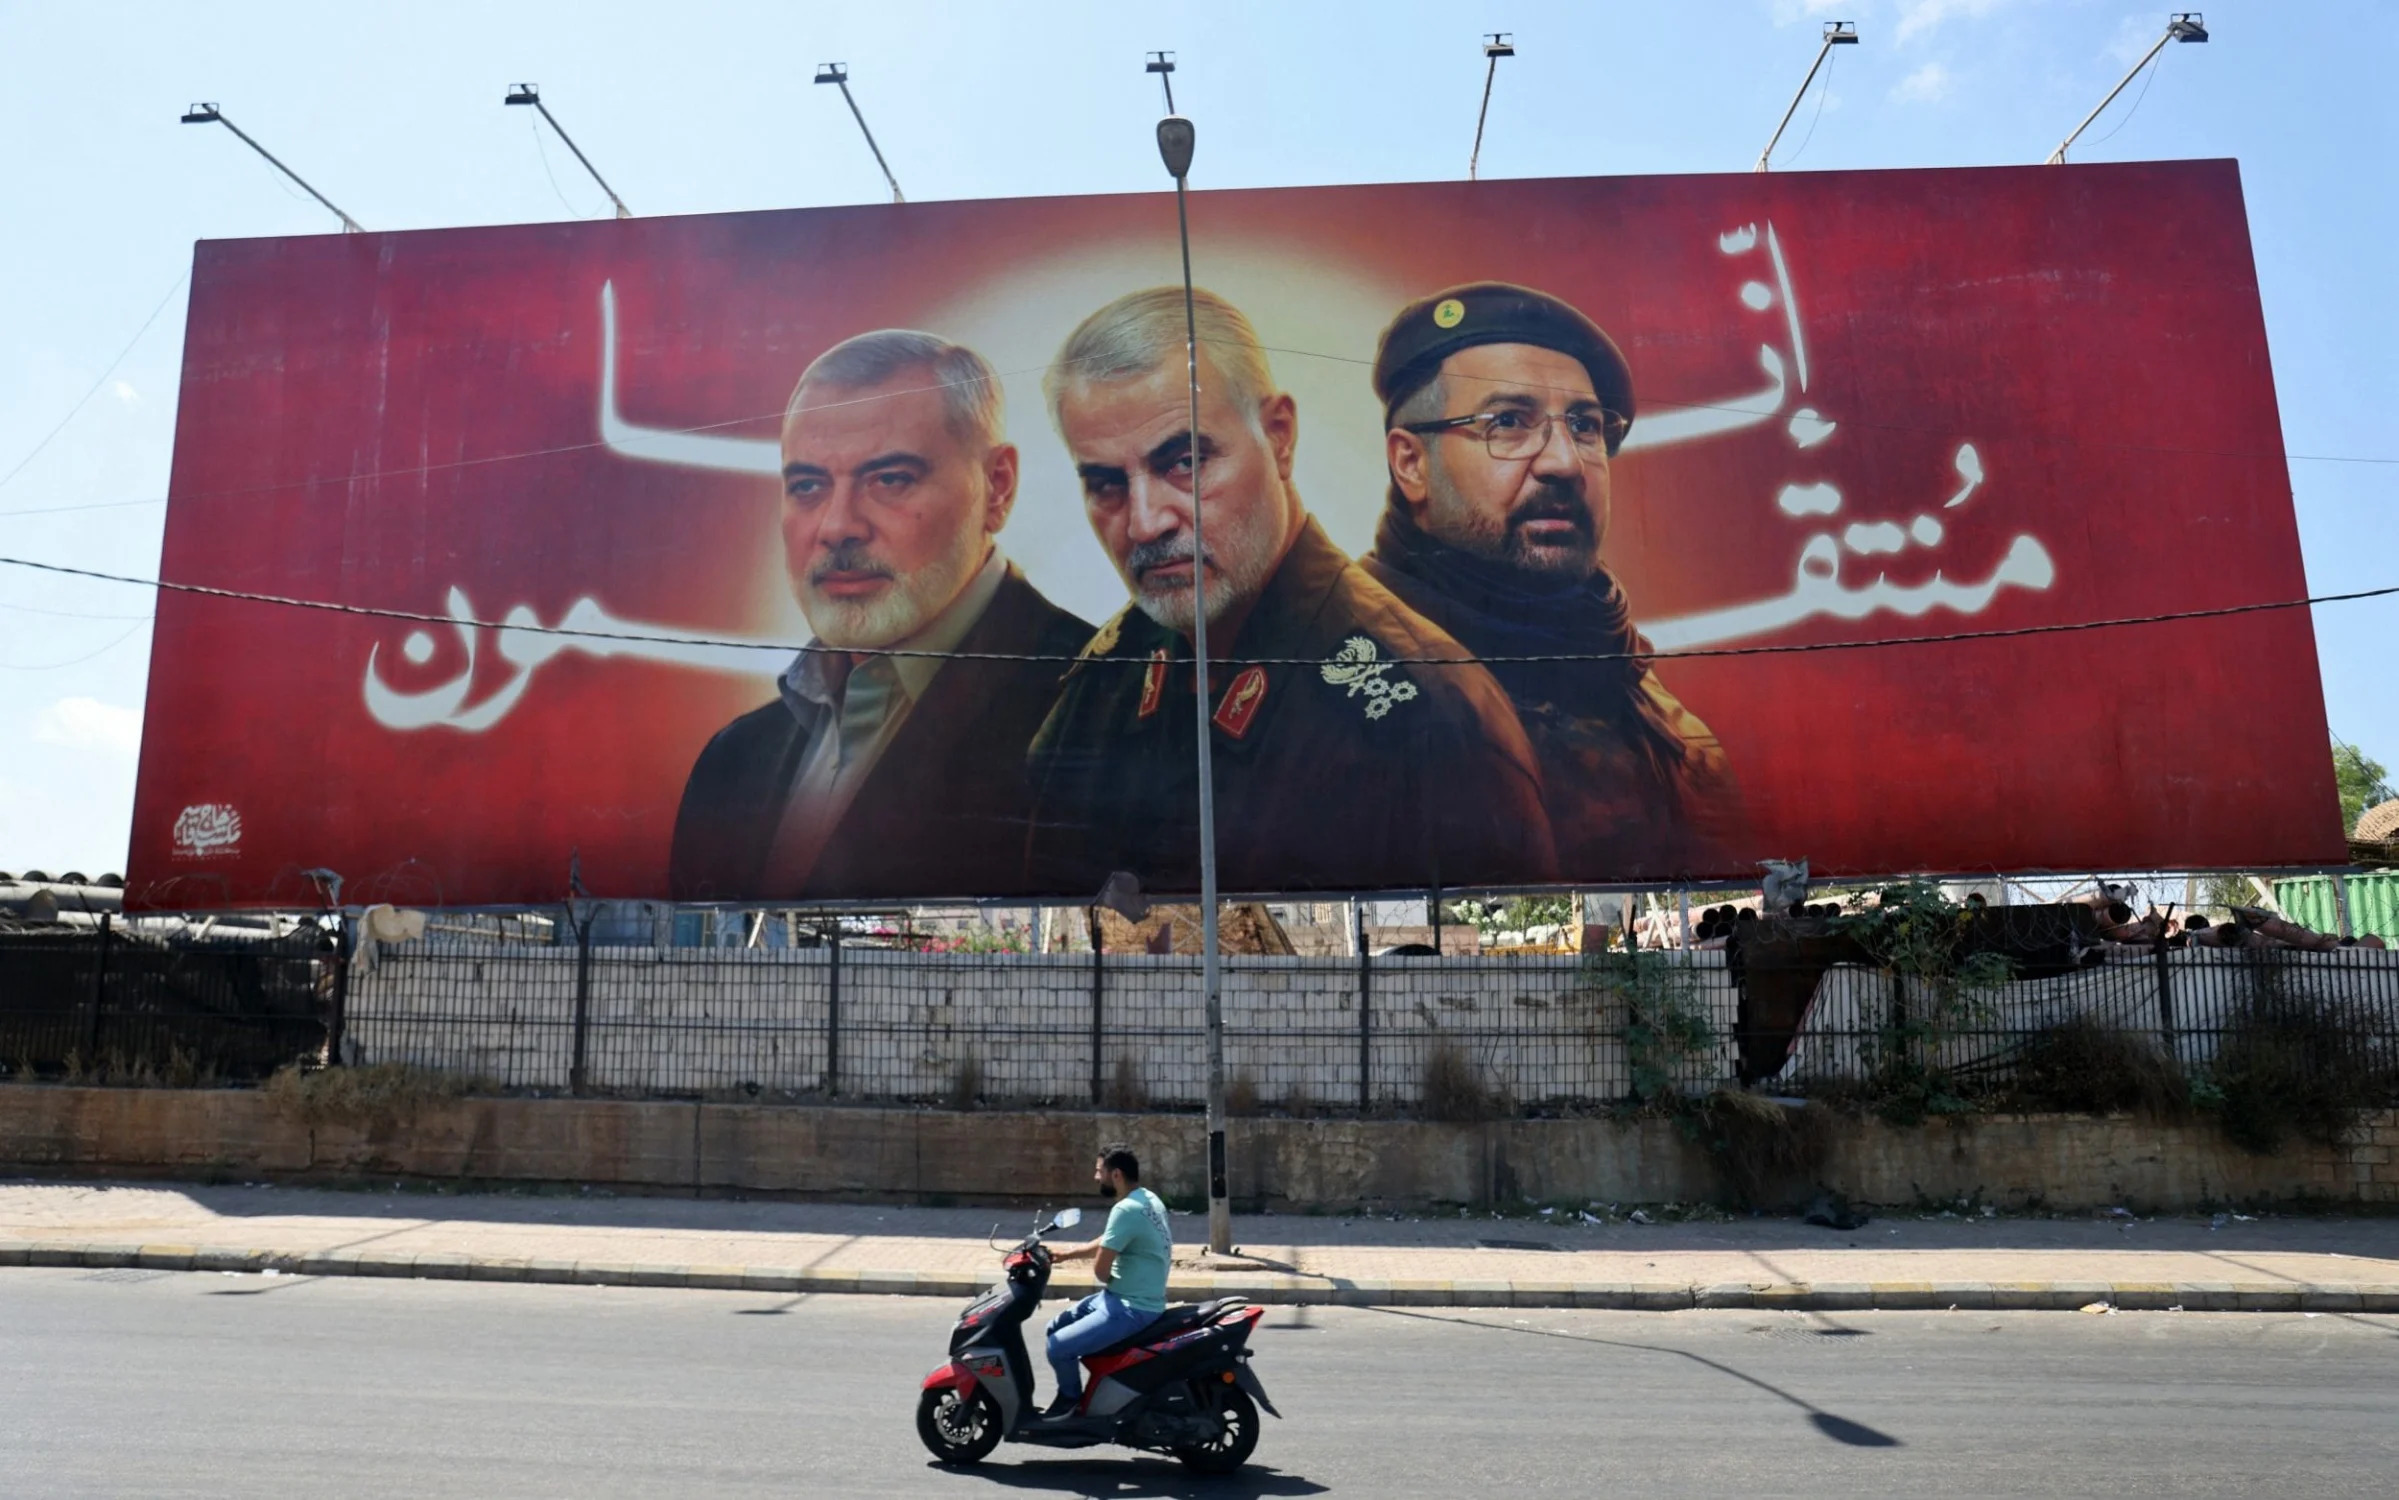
(1450, 313)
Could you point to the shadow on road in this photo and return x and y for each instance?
(1839, 1429)
(1134, 1479)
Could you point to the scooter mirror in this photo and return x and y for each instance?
(1068, 1218)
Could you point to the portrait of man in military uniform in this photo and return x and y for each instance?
(1504, 408)
(1349, 752)
(886, 775)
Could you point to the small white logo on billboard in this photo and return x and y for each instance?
(207, 828)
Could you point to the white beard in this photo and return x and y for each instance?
(903, 608)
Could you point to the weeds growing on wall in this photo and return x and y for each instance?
(2296, 1066)
(1945, 987)
(1454, 1090)
(2085, 1066)
(1765, 1150)
(379, 1095)
(1652, 999)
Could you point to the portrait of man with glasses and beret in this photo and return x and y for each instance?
(1504, 408)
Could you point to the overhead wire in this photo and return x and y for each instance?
(1685, 654)
(77, 409)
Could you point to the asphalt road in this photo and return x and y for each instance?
(168, 1384)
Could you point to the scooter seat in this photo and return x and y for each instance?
(1176, 1319)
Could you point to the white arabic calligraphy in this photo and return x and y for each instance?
(1816, 589)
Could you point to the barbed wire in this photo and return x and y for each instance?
(1686, 654)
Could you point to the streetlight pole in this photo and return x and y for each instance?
(1175, 141)
(526, 93)
(209, 114)
(1836, 33)
(2182, 26)
(839, 73)
(1496, 45)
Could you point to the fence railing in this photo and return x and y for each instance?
(1304, 1035)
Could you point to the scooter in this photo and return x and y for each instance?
(1181, 1386)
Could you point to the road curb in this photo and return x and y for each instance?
(1286, 1290)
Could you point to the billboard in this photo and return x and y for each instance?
(846, 554)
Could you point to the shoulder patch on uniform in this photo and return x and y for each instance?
(1359, 667)
(1103, 640)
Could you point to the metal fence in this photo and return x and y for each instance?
(513, 1007)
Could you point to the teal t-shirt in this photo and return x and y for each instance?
(1137, 1231)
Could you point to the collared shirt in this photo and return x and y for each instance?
(851, 717)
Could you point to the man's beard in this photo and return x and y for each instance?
(894, 613)
(1239, 568)
(1448, 518)
(1108, 1190)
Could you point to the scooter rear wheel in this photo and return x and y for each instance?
(960, 1428)
(1234, 1441)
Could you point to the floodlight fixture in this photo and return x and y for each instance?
(1496, 45)
(527, 93)
(838, 74)
(1163, 64)
(1836, 34)
(209, 114)
(2181, 26)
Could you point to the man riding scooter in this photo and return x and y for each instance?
(1130, 1261)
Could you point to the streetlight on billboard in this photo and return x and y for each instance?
(1496, 45)
(2182, 26)
(526, 93)
(1836, 34)
(1175, 142)
(209, 114)
(839, 75)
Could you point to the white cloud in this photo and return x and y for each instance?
(89, 724)
(1918, 16)
(123, 390)
(1929, 84)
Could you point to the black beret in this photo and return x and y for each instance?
(1431, 329)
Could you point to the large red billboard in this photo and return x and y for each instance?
(870, 533)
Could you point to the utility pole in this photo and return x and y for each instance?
(2182, 26)
(1836, 34)
(209, 114)
(1496, 45)
(1175, 142)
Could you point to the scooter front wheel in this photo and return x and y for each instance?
(959, 1427)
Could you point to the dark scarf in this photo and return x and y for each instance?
(1497, 610)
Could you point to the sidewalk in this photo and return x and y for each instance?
(1909, 1260)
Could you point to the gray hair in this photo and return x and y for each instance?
(1141, 331)
(970, 388)
(1429, 402)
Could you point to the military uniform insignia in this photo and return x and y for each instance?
(1105, 640)
(1360, 669)
(1153, 682)
(1239, 706)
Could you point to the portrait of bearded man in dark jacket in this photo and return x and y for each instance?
(1504, 408)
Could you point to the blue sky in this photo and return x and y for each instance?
(394, 112)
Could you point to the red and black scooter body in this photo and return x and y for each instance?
(1182, 1385)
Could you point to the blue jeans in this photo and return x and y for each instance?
(1093, 1323)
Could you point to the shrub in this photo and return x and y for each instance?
(1454, 1091)
(2295, 1066)
(2088, 1067)
(1766, 1151)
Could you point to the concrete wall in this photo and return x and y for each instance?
(719, 1021)
(2060, 1161)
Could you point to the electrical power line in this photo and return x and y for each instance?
(77, 408)
(1688, 654)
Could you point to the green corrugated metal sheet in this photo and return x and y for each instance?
(2373, 902)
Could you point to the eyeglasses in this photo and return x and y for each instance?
(1511, 434)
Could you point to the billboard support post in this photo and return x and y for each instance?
(1175, 140)
(1365, 1011)
(833, 1012)
(1099, 1083)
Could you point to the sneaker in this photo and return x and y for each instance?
(1061, 1408)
